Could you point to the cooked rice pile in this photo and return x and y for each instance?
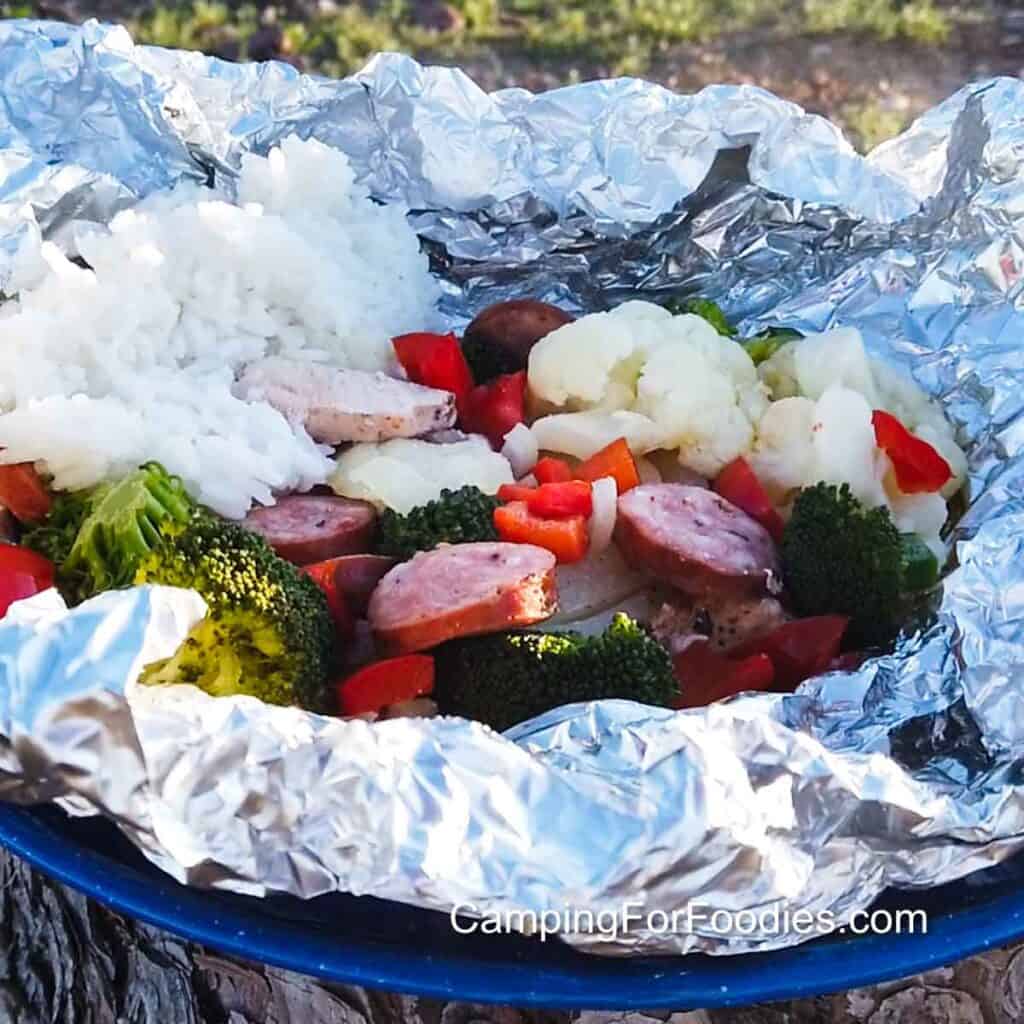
(134, 359)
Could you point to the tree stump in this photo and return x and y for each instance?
(65, 959)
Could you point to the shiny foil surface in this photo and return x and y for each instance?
(905, 773)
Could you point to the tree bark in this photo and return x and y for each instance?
(64, 959)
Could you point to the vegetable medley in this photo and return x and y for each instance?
(634, 504)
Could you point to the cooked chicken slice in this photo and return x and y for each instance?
(338, 405)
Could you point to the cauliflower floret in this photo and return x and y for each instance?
(580, 434)
(672, 381)
(783, 457)
(403, 473)
(810, 366)
(836, 358)
(844, 446)
(704, 399)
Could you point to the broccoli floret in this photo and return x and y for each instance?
(706, 310)
(487, 360)
(505, 678)
(760, 347)
(268, 632)
(55, 536)
(838, 557)
(98, 537)
(764, 345)
(456, 517)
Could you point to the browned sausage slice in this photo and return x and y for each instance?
(695, 540)
(515, 326)
(460, 590)
(307, 528)
(356, 576)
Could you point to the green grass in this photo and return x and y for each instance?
(610, 36)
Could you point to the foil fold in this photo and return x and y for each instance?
(904, 773)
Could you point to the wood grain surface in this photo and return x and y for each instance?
(66, 960)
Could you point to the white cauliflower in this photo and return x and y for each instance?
(403, 473)
(580, 434)
(700, 392)
(810, 366)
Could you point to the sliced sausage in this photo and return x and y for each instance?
(307, 528)
(695, 540)
(460, 590)
(356, 576)
(338, 405)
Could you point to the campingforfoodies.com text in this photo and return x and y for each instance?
(694, 918)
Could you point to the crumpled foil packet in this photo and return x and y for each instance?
(905, 773)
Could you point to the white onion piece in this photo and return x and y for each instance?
(520, 448)
(640, 605)
(648, 471)
(598, 582)
(602, 521)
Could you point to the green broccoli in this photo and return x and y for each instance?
(56, 534)
(98, 537)
(764, 345)
(487, 360)
(505, 678)
(759, 347)
(268, 632)
(838, 557)
(456, 517)
(706, 310)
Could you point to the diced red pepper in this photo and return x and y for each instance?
(324, 575)
(16, 559)
(14, 586)
(919, 468)
(614, 460)
(557, 501)
(705, 676)
(515, 492)
(24, 493)
(738, 484)
(382, 683)
(798, 649)
(437, 361)
(494, 409)
(566, 539)
(550, 470)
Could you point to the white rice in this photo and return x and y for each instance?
(133, 360)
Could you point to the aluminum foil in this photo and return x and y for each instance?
(905, 773)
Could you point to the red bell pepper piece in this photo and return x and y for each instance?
(437, 361)
(494, 409)
(566, 539)
(557, 501)
(614, 460)
(515, 492)
(919, 468)
(798, 649)
(550, 470)
(16, 559)
(324, 575)
(24, 493)
(738, 484)
(14, 586)
(705, 676)
(382, 683)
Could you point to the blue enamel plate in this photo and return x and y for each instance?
(386, 945)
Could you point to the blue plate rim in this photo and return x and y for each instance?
(582, 982)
